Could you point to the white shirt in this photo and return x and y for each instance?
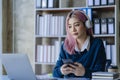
(86, 45)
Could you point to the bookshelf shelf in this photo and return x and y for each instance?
(105, 35)
(105, 7)
(53, 9)
(109, 7)
(37, 36)
(55, 39)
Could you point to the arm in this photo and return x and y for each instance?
(99, 60)
(59, 63)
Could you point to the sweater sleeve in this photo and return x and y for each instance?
(99, 61)
(59, 63)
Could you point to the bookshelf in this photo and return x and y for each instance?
(48, 37)
(49, 40)
(111, 37)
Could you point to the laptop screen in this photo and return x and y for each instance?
(18, 66)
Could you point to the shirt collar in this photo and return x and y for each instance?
(86, 45)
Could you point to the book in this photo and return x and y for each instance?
(111, 26)
(104, 73)
(108, 52)
(104, 2)
(44, 3)
(55, 3)
(97, 2)
(90, 2)
(104, 26)
(64, 3)
(111, 2)
(110, 75)
(114, 56)
(38, 3)
(89, 13)
(103, 77)
(50, 3)
(96, 25)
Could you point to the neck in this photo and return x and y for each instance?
(81, 41)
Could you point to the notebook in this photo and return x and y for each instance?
(18, 67)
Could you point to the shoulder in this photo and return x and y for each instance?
(62, 46)
(98, 40)
(95, 40)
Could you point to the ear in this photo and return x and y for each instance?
(88, 24)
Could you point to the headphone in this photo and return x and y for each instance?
(88, 23)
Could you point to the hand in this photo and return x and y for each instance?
(79, 70)
(65, 69)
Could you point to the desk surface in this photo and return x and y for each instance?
(4, 77)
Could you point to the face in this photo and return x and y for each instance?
(76, 28)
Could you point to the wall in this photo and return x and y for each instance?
(18, 20)
(0, 36)
(23, 27)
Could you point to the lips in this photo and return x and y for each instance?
(75, 33)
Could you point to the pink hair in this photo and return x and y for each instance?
(70, 41)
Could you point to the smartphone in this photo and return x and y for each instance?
(67, 61)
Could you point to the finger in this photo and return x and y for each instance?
(79, 64)
(69, 70)
(66, 71)
(65, 65)
(63, 69)
(73, 66)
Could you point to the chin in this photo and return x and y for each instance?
(75, 37)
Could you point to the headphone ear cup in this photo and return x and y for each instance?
(88, 24)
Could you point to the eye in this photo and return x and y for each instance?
(77, 24)
(69, 26)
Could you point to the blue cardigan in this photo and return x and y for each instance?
(93, 60)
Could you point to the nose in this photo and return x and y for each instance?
(73, 28)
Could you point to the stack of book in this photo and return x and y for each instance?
(105, 75)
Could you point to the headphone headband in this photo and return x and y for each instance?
(88, 23)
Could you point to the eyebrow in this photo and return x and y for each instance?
(74, 23)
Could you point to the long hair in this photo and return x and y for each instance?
(70, 42)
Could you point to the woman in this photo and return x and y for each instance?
(87, 52)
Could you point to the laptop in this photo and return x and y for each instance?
(18, 67)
